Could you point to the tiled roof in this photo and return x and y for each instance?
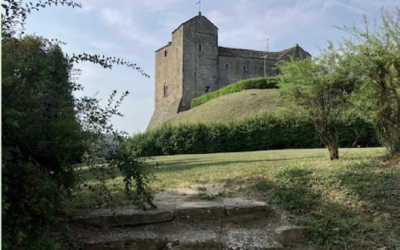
(223, 51)
(169, 43)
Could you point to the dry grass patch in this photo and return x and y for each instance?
(232, 107)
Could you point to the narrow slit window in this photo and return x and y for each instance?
(165, 90)
(226, 65)
(165, 53)
(200, 47)
(261, 68)
(244, 68)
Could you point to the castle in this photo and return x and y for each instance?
(193, 64)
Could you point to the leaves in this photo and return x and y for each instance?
(321, 86)
(105, 62)
(15, 13)
(375, 54)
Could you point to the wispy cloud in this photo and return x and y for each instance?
(281, 25)
(159, 5)
(134, 30)
(329, 4)
(115, 16)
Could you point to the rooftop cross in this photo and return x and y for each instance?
(199, 3)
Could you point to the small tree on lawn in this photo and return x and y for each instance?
(320, 87)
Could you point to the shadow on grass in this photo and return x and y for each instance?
(378, 186)
(337, 224)
(187, 165)
(179, 165)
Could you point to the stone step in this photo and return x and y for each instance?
(233, 239)
(247, 239)
(225, 210)
(120, 217)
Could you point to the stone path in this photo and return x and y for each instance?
(228, 223)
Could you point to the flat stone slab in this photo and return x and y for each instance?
(243, 239)
(204, 239)
(289, 234)
(241, 210)
(199, 211)
(121, 217)
(229, 210)
(124, 241)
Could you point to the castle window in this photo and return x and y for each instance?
(165, 53)
(261, 68)
(226, 65)
(199, 47)
(244, 68)
(208, 89)
(165, 90)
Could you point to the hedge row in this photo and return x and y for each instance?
(254, 83)
(261, 133)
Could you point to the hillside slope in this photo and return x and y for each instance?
(232, 107)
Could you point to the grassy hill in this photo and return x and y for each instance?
(232, 107)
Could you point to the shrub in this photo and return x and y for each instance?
(254, 83)
(257, 133)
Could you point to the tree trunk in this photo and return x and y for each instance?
(333, 152)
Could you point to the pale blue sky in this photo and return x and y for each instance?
(134, 29)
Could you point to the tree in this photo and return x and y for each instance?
(45, 130)
(375, 54)
(41, 137)
(320, 86)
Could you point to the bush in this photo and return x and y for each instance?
(257, 133)
(254, 83)
(41, 139)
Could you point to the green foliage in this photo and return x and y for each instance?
(254, 83)
(46, 131)
(41, 137)
(321, 86)
(258, 133)
(375, 55)
(136, 174)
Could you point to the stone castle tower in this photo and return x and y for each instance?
(193, 64)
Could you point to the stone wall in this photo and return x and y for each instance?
(233, 69)
(168, 82)
(200, 50)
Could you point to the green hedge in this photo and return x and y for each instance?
(259, 133)
(254, 83)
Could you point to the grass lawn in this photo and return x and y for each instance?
(233, 107)
(352, 203)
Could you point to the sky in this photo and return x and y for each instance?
(135, 29)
